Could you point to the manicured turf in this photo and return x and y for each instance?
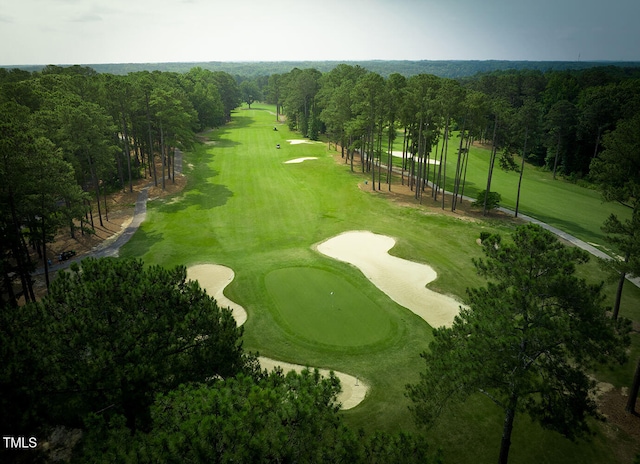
(566, 205)
(246, 209)
(323, 307)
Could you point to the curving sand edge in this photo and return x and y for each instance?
(353, 389)
(215, 277)
(402, 280)
(299, 141)
(300, 160)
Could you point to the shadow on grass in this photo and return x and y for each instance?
(218, 137)
(208, 196)
(202, 192)
(225, 144)
(140, 244)
(238, 121)
(570, 227)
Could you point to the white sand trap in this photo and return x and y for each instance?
(353, 390)
(403, 281)
(300, 160)
(214, 278)
(299, 141)
(398, 154)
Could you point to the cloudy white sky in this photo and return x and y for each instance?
(139, 31)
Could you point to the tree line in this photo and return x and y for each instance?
(555, 119)
(454, 69)
(70, 135)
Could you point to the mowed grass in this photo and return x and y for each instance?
(243, 207)
(566, 205)
(321, 307)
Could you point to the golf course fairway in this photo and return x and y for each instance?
(246, 209)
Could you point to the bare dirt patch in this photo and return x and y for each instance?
(120, 208)
(119, 214)
(620, 426)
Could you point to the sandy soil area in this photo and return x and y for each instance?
(214, 278)
(398, 154)
(403, 281)
(353, 389)
(299, 141)
(300, 160)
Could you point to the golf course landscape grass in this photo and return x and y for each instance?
(321, 307)
(561, 203)
(213, 278)
(246, 209)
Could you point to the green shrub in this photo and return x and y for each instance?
(493, 200)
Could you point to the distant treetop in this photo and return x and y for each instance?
(441, 68)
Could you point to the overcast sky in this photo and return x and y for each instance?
(141, 31)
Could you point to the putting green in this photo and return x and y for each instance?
(323, 307)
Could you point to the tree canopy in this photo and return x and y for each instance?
(111, 334)
(527, 340)
(269, 418)
(617, 171)
(71, 134)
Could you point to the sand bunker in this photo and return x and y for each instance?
(214, 278)
(398, 154)
(299, 141)
(353, 389)
(300, 160)
(403, 281)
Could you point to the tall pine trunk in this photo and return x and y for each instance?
(96, 186)
(466, 164)
(44, 249)
(555, 161)
(633, 392)
(127, 150)
(621, 280)
(152, 164)
(20, 251)
(404, 154)
(524, 155)
(492, 160)
(507, 429)
(418, 170)
(444, 163)
(456, 177)
(162, 156)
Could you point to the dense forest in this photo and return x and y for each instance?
(70, 135)
(441, 68)
(558, 118)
